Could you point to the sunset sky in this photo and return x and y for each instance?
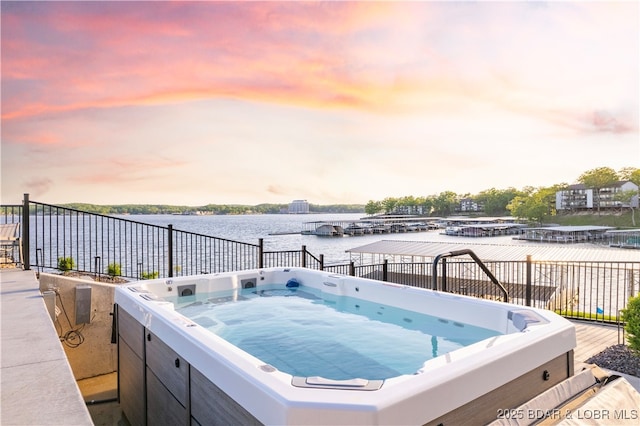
(194, 103)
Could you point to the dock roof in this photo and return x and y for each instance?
(425, 251)
(579, 228)
(493, 225)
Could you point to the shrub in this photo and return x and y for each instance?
(65, 263)
(149, 275)
(114, 270)
(631, 317)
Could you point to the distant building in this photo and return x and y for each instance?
(579, 197)
(299, 207)
(468, 205)
(408, 210)
(574, 197)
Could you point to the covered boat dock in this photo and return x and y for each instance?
(485, 230)
(624, 238)
(367, 226)
(566, 234)
(425, 251)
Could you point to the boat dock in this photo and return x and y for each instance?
(485, 230)
(624, 238)
(567, 234)
(369, 226)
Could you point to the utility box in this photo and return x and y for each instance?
(83, 304)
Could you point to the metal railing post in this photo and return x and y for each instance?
(260, 253)
(352, 269)
(97, 265)
(321, 262)
(434, 272)
(170, 249)
(26, 261)
(303, 255)
(444, 274)
(385, 270)
(527, 296)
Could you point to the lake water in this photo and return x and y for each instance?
(250, 228)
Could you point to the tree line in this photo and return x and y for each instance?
(534, 204)
(212, 209)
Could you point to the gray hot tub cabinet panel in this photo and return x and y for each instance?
(131, 369)
(169, 367)
(162, 407)
(210, 405)
(157, 386)
(131, 331)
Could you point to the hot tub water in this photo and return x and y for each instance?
(302, 333)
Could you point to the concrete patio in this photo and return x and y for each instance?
(38, 386)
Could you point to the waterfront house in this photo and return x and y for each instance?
(578, 197)
(469, 205)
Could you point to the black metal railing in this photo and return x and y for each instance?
(193, 253)
(10, 253)
(73, 240)
(579, 290)
(11, 213)
(476, 259)
(55, 238)
(67, 239)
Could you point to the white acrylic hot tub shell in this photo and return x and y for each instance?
(444, 383)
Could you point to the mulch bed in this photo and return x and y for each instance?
(99, 278)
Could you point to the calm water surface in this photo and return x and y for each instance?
(250, 228)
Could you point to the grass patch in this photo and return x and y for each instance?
(585, 315)
(618, 220)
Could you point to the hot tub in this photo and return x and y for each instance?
(172, 367)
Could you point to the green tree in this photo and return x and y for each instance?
(495, 201)
(373, 207)
(597, 179)
(517, 206)
(534, 205)
(632, 197)
(425, 204)
(389, 204)
(445, 203)
(631, 174)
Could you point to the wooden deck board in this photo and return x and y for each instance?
(593, 338)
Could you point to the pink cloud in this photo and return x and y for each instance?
(379, 56)
(38, 186)
(37, 138)
(101, 57)
(605, 121)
